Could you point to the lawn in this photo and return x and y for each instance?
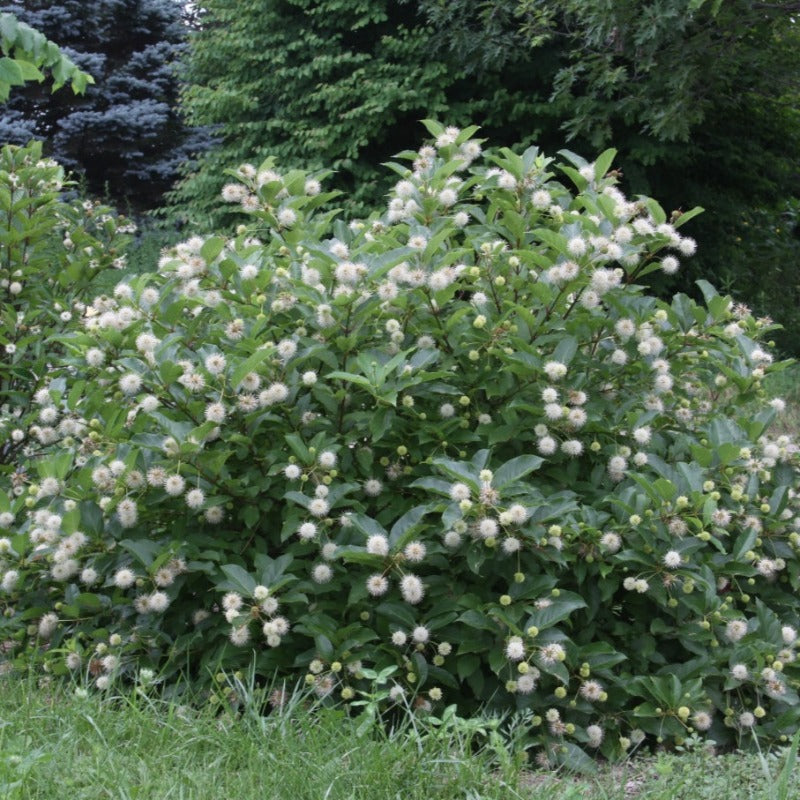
(55, 743)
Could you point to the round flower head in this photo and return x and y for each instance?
(318, 507)
(307, 531)
(195, 498)
(174, 485)
(321, 573)
(377, 585)
(378, 545)
(555, 370)
(735, 630)
(327, 459)
(412, 589)
(415, 551)
(373, 487)
(459, 491)
(399, 638)
(124, 578)
(130, 383)
(420, 634)
(515, 649)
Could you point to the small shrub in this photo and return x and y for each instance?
(51, 252)
(455, 446)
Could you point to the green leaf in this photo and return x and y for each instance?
(10, 72)
(515, 469)
(239, 580)
(143, 550)
(250, 364)
(559, 609)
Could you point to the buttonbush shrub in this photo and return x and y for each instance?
(455, 448)
(53, 249)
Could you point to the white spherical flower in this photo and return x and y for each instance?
(309, 378)
(215, 363)
(662, 383)
(130, 383)
(399, 638)
(702, 720)
(287, 217)
(214, 515)
(506, 181)
(174, 485)
(420, 634)
(555, 370)
(158, 602)
(553, 411)
(215, 412)
(307, 531)
(195, 498)
(617, 464)
(735, 630)
(672, 559)
(459, 491)
(378, 545)
(515, 649)
(446, 410)
(746, 719)
(124, 578)
(740, 672)
(547, 445)
(373, 487)
(321, 573)
(292, 472)
(488, 528)
(412, 589)
(669, 265)
(10, 580)
(789, 634)
(641, 435)
(452, 539)
(595, 735)
(576, 246)
(377, 585)
(327, 459)
(318, 507)
(572, 447)
(95, 357)
(415, 551)
(448, 197)
(518, 513)
(541, 198)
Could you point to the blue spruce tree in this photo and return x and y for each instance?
(125, 135)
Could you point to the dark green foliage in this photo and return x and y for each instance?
(696, 96)
(124, 135)
(699, 98)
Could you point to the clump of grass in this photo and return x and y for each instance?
(56, 743)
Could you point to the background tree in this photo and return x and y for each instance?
(26, 52)
(125, 135)
(697, 96)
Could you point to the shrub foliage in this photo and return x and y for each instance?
(455, 448)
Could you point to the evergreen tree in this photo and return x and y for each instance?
(698, 96)
(124, 135)
(328, 83)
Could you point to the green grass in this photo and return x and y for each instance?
(54, 744)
